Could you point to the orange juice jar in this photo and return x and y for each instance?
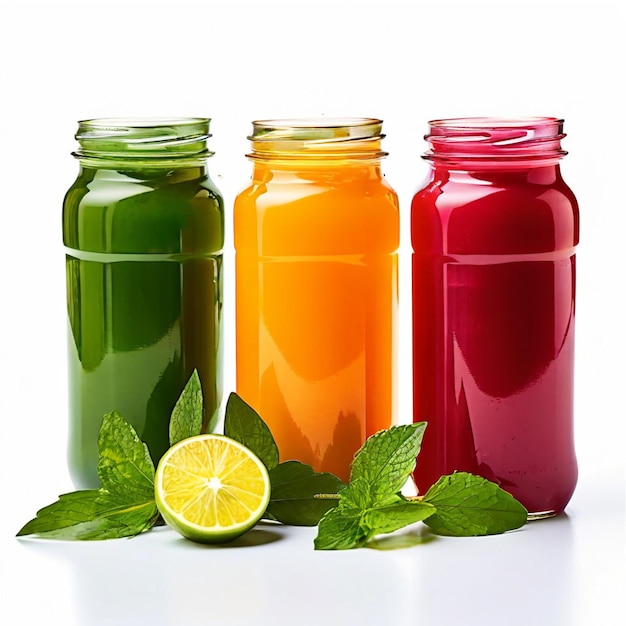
(316, 239)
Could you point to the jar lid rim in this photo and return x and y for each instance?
(318, 122)
(316, 129)
(495, 122)
(120, 123)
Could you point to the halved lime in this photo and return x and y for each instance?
(211, 489)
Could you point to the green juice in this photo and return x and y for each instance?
(144, 234)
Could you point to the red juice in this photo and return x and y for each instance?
(494, 231)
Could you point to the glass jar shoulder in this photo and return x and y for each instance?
(508, 212)
(317, 215)
(175, 211)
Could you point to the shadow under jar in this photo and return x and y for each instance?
(494, 230)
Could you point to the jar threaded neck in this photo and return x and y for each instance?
(459, 141)
(144, 140)
(317, 138)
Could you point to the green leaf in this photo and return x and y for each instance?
(351, 526)
(124, 463)
(396, 515)
(387, 458)
(186, 419)
(294, 490)
(356, 495)
(124, 505)
(469, 505)
(243, 424)
(70, 510)
(341, 529)
(88, 515)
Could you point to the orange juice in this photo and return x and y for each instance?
(316, 239)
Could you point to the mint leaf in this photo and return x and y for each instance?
(469, 505)
(396, 515)
(243, 424)
(341, 529)
(124, 505)
(356, 495)
(124, 463)
(387, 458)
(186, 419)
(71, 510)
(88, 515)
(294, 490)
(350, 526)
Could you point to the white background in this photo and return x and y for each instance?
(235, 61)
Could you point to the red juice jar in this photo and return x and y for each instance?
(494, 231)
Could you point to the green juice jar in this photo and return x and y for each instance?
(143, 227)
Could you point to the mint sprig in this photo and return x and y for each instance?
(460, 505)
(371, 504)
(124, 505)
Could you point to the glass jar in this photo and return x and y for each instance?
(143, 228)
(494, 231)
(316, 238)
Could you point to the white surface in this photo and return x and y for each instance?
(406, 62)
(537, 575)
(564, 571)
